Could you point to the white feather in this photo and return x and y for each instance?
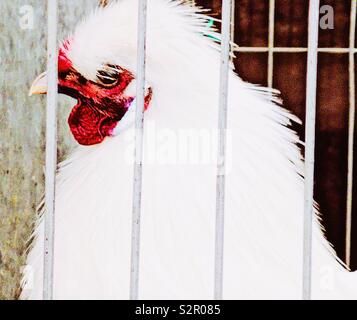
(264, 202)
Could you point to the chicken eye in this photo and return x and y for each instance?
(109, 76)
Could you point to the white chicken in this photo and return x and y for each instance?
(264, 183)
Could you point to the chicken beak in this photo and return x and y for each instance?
(39, 86)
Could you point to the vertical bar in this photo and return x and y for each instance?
(222, 125)
(271, 42)
(51, 148)
(233, 31)
(139, 129)
(311, 85)
(351, 128)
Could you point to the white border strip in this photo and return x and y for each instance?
(351, 129)
(139, 129)
(51, 148)
(222, 125)
(311, 86)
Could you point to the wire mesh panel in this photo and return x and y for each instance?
(271, 49)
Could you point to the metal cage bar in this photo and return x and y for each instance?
(311, 86)
(271, 42)
(139, 134)
(351, 129)
(51, 149)
(222, 127)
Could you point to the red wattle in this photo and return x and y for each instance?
(88, 125)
